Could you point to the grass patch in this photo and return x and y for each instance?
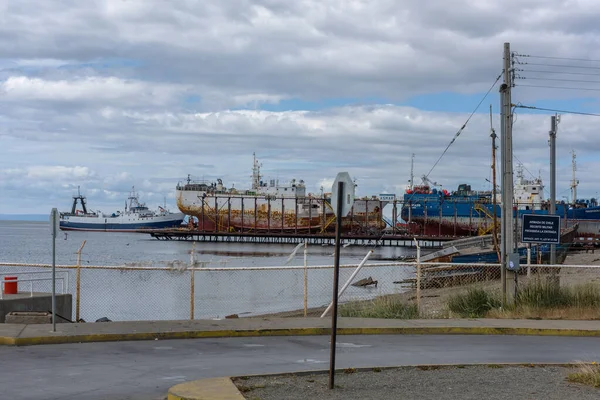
(544, 293)
(537, 299)
(587, 374)
(381, 307)
(475, 303)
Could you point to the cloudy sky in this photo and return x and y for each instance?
(106, 94)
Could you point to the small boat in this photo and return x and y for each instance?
(136, 216)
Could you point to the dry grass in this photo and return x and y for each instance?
(567, 313)
(588, 374)
(380, 307)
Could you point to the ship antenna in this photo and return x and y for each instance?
(412, 170)
(575, 181)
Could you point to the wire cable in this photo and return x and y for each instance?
(465, 124)
(557, 72)
(556, 65)
(556, 58)
(554, 110)
(558, 79)
(560, 87)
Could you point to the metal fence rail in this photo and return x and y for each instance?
(179, 291)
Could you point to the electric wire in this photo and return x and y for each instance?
(557, 72)
(558, 79)
(555, 110)
(555, 58)
(556, 65)
(559, 87)
(464, 125)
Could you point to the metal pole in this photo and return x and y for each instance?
(336, 275)
(54, 222)
(502, 199)
(553, 180)
(508, 245)
(192, 277)
(418, 276)
(78, 283)
(343, 289)
(305, 279)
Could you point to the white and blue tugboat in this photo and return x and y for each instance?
(136, 216)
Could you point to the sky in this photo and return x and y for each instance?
(109, 94)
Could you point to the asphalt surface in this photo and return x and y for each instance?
(146, 369)
(468, 383)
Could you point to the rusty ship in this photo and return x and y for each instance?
(271, 207)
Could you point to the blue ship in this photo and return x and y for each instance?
(465, 212)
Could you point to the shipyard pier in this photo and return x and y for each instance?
(273, 212)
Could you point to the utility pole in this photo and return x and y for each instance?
(508, 246)
(553, 180)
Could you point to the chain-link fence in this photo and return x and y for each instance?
(178, 291)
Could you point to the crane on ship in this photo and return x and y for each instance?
(427, 181)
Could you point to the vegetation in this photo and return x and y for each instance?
(588, 374)
(380, 307)
(475, 303)
(539, 298)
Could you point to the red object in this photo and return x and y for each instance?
(10, 285)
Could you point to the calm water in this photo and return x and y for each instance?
(165, 294)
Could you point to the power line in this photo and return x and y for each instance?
(555, 58)
(556, 72)
(558, 79)
(554, 110)
(559, 87)
(556, 65)
(465, 124)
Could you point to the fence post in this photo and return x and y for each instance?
(192, 284)
(305, 279)
(418, 276)
(529, 260)
(78, 283)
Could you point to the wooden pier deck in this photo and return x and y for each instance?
(386, 240)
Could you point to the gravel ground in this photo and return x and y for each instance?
(471, 382)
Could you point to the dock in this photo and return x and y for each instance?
(385, 240)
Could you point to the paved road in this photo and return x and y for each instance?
(145, 370)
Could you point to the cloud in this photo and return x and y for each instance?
(109, 94)
(373, 143)
(310, 49)
(91, 89)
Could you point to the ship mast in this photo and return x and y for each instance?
(493, 136)
(412, 171)
(574, 182)
(255, 173)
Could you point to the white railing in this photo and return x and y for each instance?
(64, 280)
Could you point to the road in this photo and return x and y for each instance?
(145, 370)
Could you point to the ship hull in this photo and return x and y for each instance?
(253, 213)
(450, 218)
(116, 224)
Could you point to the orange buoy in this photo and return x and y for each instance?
(10, 285)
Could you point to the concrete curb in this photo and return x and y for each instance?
(205, 389)
(224, 388)
(130, 336)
